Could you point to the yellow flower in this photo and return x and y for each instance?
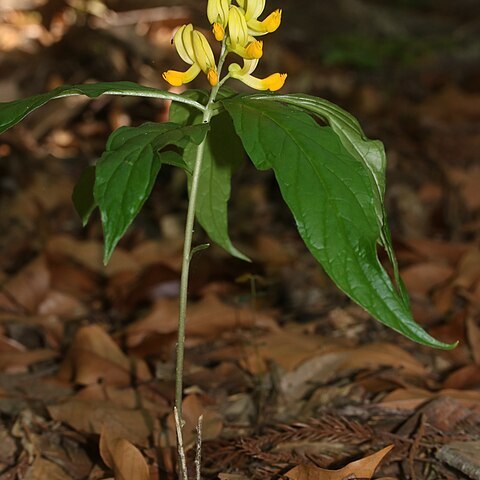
(253, 50)
(217, 13)
(238, 39)
(273, 82)
(237, 29)
(194, 49)
(253, 9)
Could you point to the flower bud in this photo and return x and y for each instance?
(237, 28)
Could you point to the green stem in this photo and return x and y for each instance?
(187, 247)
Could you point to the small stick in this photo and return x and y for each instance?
(180, 447)
(198, 449)
(415, 445)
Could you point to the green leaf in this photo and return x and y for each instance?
(223, 155)
(330, 195)
(170, 157)
(126, 172)
(370, 152)
(82, 196)
(185, 114)
(12, 112)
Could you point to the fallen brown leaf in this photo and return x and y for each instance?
(129, 397)
(89, 254)
(329, 364)
(421, 278)
(363, 468)
(438, 250)
(468, 270)
(411, 398)
(26, 290)
(94, 357)
(467, 181)
(208, 318)
(123, 458)
(42, 469)
(17, 362)
(151, 252)
(467, 377)
(91, 416)
(62, 305)
(473, 336)
(287, 348)
(192, 407)
(33, 201)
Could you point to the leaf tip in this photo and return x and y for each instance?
(451, 346)
(107, 253)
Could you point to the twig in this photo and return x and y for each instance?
(415, 445)
(180, 447)
(198, 449)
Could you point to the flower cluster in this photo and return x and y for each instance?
(237, 27)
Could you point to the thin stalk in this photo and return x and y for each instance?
(187, 247)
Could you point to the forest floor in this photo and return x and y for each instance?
(284, 368)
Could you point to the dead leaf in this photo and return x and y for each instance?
(451, 102)
(467, 181)
(61, 305)
(463, 456)
(123, 458)
(142, 396)
(70, 278)
(411, 398)
(91, 416)
(437, 249)
(18, 362)
(363, 468)
(151, 252)
(468, 270)
(89, 254)
(208, 318)
(421, 278)
(330, 363)
(473, 336)
(287, 348)
(42, 469)
(127, 289)
(44, 194)
(192, 407)
(26, 290)
(467, 377)
(94, 356)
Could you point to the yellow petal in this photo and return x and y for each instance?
(176, 78)
(218, 31)
(272, 22)
(269, 25)
(203, 52)
(273, 83)
(254, 49)
(212, 77)
(183, 43)
(253, 8)
(237, 28)
(217, 11)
